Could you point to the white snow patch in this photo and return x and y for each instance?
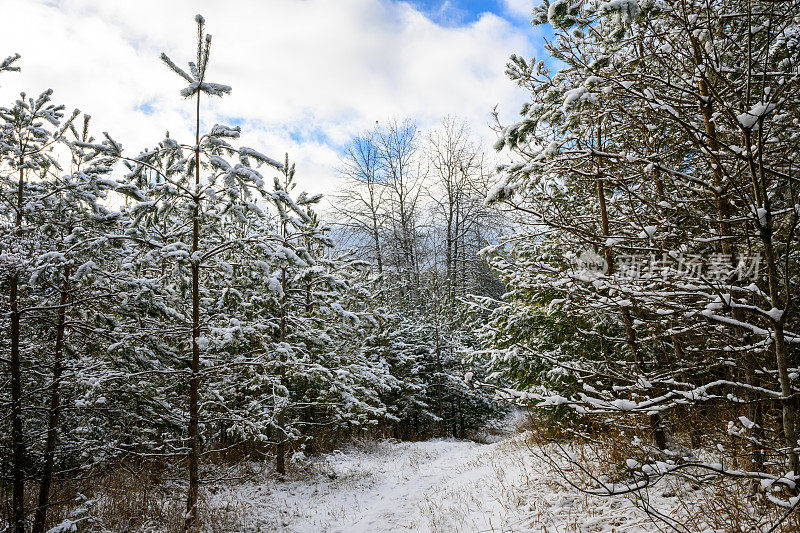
(440, 485)
(749, 118)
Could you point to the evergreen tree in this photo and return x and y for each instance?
(655, 181)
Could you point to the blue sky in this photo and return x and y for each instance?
(459, 12)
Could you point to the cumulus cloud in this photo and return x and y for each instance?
(306, 75)
(519, 8)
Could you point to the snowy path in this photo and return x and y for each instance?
(395, 501)
(437, 485)
(432, 486)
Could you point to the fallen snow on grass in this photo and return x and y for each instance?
(431, 486)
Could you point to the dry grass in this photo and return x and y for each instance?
(140, 501)
(130, 497)
(731, 505)
(725, 504)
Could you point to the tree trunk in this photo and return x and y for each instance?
(17, 442)
(779, 343)
(789, 422)
(40, 519)
(17, 438)
(761, 194)
(749, 362)
(656, 425)
(377, 238)
(460, 419)
(194, 381)
(659, 436)
(439, 373)
(280, 449)
(756, 415)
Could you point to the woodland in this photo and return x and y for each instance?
(623, 267)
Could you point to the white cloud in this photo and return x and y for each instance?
(306, 75)
(522, 9)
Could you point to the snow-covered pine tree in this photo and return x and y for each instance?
(324, 379)
(202, 183)
(72, 282)
(655, 175)
(29, 132)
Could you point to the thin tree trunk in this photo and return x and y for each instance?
(194, 381)
(280, 449)
(756, 415)
(760, 192)
(438, 369)
(40, 519)
(789, 422)
(659, 436)
(460, 419)
(376, 236)
(17, 438)
(779, 341)
(17, 443)
(449, 253)
(280, 416)
(750, 363)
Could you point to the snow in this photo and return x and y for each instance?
(389, 486)
(553, 9)
(749, 118)
(629, 8)
(64, 527)
(775, 314)
(575, 96)
(501, 189)
(746, 422)
(624, 405)
(432, 486)
(258, 156)
(648, 232)
(762, 215)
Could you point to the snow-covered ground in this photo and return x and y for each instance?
(431, 486)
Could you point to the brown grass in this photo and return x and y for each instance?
(128, 497)
(725, 504)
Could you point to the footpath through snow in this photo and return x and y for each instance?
(432, 486)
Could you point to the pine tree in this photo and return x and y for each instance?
(651, 171)
(29, 131)
(226, 188)
(72, 223)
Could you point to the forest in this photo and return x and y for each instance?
(619, 274)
